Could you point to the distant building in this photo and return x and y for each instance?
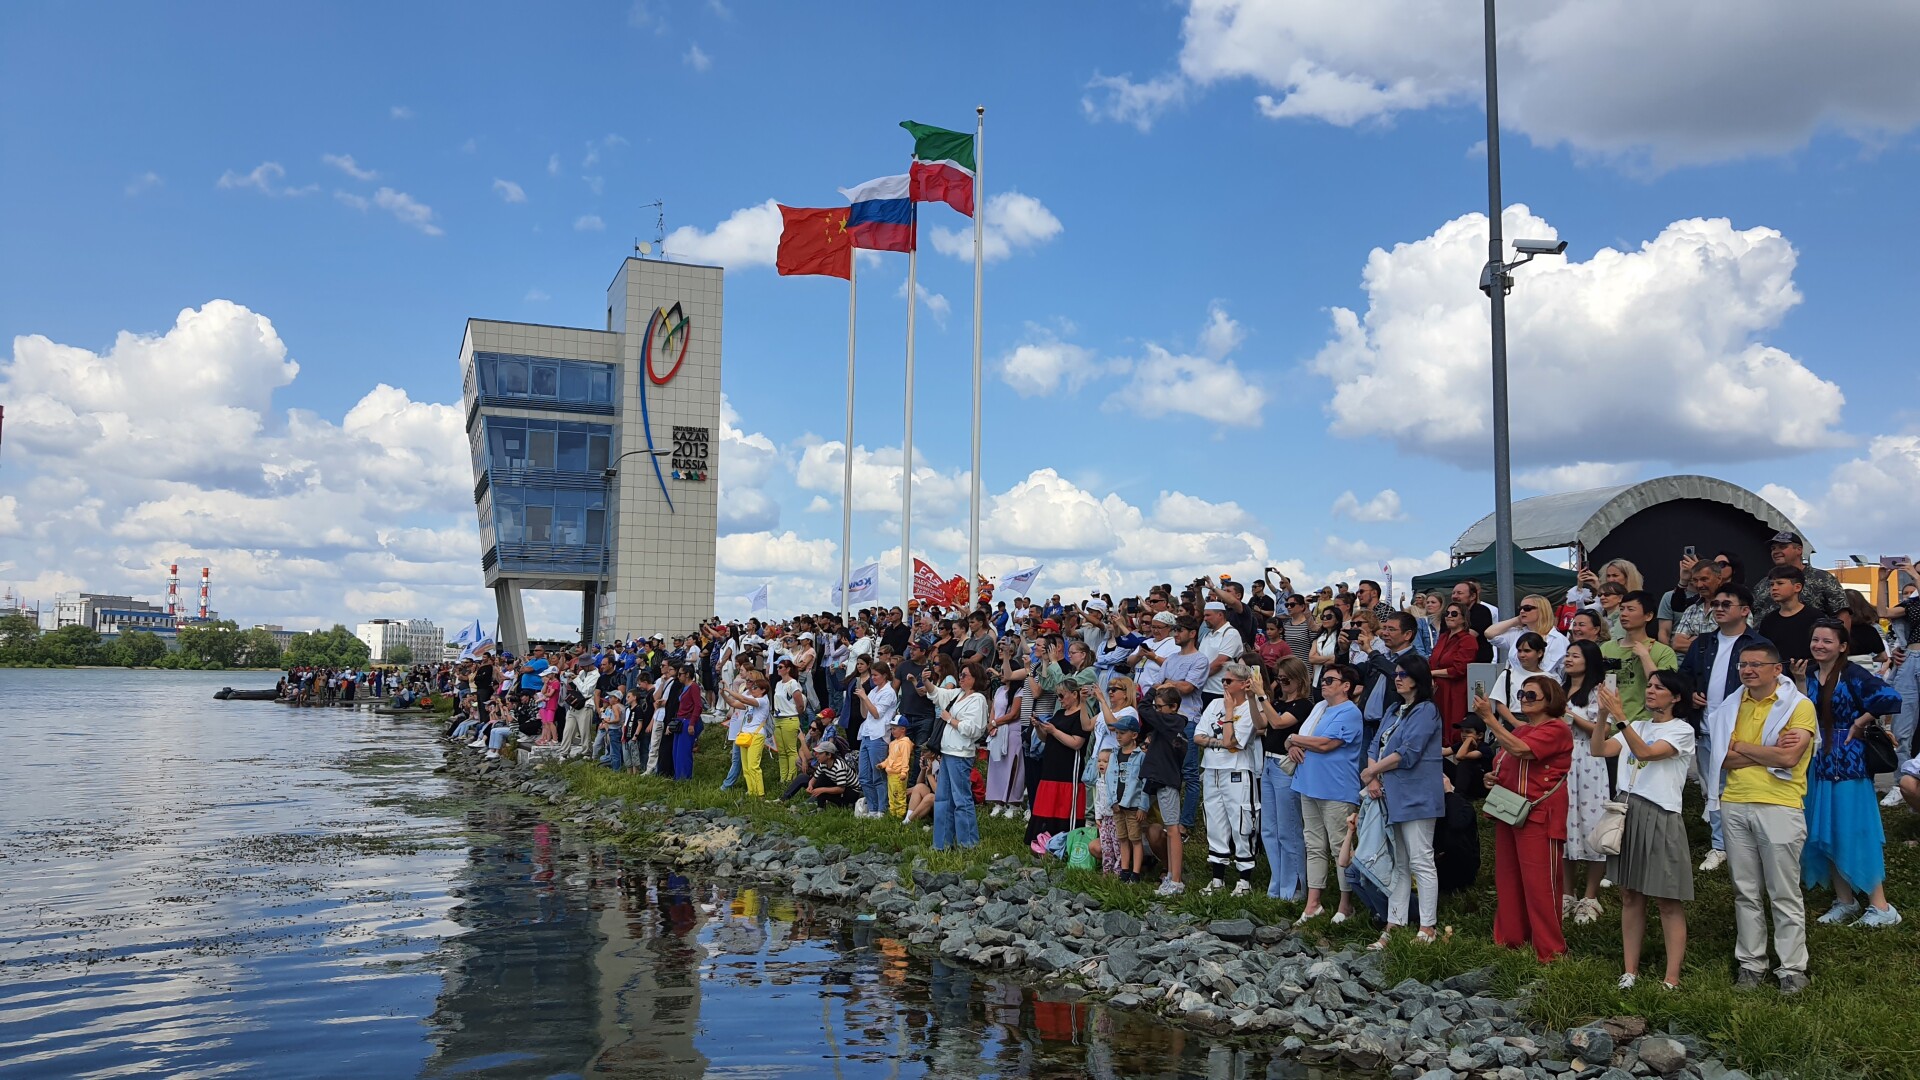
(281, 635)
(111, 613)
(422, 638)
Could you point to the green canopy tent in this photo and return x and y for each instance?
(1530, 575)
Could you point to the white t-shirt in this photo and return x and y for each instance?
(1658, 782)
(1214, 725)
(756, 721)
(886, 703)
(1216, 643)
(1551, 663)
(1717, 679)
(784, 695)
(862, 646)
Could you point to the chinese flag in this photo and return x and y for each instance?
(815, 242)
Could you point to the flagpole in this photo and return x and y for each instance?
(979, 212)
(906, 449)
(846, 482)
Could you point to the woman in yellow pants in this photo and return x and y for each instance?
(787, 698)
(757, 699)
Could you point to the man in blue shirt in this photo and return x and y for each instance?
(534, 670)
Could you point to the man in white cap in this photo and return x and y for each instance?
(1221, 644)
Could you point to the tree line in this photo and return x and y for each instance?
(213, 646)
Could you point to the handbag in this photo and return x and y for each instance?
(1509, 807)
(1881, 756)
(1606, 835)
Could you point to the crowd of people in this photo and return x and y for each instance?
(1348, 741)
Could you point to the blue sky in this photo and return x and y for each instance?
(1171, 385)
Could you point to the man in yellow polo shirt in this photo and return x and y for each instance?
(1768, 730)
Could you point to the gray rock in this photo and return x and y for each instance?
(1119, 924)
(1469, 983)
(1123, 959)
(1247, 996)
(1126, 1001)
(1592, 1044)
(1661, 1054)
(1269, 935)
(1231, 929)
(1439, 1074)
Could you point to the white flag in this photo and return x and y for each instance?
(757, 599)
(475, 639)
(864, 585)
(1022, 581)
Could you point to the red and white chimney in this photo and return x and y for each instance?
(205, 590)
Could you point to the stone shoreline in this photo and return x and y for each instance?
(1228, 976)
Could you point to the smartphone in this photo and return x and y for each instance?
(1479, 690)
(1613, 682)
(1688, 551)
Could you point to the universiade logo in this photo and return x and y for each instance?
(668, 326)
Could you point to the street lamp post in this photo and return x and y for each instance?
(607, 530)
(1496, 281)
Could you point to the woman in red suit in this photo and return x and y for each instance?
(1536, 750)
(1455, 648)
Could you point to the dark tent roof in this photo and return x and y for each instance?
(1588, 517)
(1530, 575)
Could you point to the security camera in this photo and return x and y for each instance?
(1540, 247)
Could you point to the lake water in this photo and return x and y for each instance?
(196, 888)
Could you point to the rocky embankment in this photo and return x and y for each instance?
(1229, 976)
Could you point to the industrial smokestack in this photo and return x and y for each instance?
(206, 573)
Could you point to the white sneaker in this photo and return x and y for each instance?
(1242, 887)
(1170, 887)
(1566, 905)
(1878, 917)
(1626, 981)
(1212, 887)
(1586, 912)
(477, 744)
(493, 755)
(1840, 913)
(1715, 860)
(1892, 797)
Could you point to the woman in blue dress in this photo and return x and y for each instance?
(1844, 834)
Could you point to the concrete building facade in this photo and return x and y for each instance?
(594, 455)
(423, 639)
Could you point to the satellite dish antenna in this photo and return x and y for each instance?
(643, 249)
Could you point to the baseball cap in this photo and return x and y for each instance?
(1049, 626)
(1096, 604)
(1215, 605)
(1125, 723)
(1786, 537)
(827, 713)
(825, 746)
(1166, 618)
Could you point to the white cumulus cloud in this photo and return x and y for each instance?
(697, 58)
(509, 191)
(1719, 80)
(1205, 383)
(346, 164)
(407, 210)
(588, 223)
(1012, 222)
(1383, 507)
(267, 178)
(747, 238)
(1577, 476)
(1638, 332)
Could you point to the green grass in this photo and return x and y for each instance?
(1855, 1020)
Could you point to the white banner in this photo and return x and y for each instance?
(758, 598)
(864, 588)
(1019, 583)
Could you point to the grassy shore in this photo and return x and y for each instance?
(1853, 1021)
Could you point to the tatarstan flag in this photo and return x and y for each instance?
(815, 242)
(942, 166)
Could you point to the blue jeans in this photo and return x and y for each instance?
(466, 729)
(499, 737)
(873, 781)
(1282, 833)
(733, 772)
(953, 820)
(1906, 680)
(616, 756)
(1190, 772)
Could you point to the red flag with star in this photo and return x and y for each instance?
(815, 242)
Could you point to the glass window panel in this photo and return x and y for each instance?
(546, 380)
(569, 525)
(513, 377)
(600, 385)
(596, 528)
(597, 453)
(540, 445)
(573, 382)
(539, 525)
(509, 443)
(573, 452)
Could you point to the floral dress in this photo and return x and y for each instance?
(1588, 791)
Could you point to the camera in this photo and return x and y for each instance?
(1540, 247)
(1610, 663)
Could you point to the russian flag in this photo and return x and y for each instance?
(882, 215)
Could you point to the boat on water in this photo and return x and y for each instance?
(228, 693)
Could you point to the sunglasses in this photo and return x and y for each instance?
(1402, 675)
(1530, 695)
(1329, 680)
(1721, 605)
(1529, 607)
